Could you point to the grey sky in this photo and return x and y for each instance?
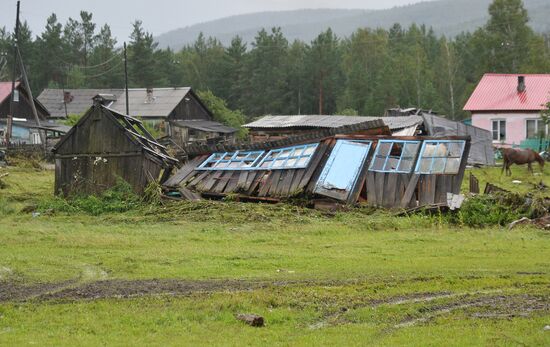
(160, 16)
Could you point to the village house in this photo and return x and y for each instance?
(174, 112)
(510, 105)
(25, 129)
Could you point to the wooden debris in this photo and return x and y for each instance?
(542, 223)
(251, 319)
(474, 184)
(491, 188)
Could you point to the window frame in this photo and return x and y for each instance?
(447, 157)
(537, 130)
(387, 157)
(234, 159)
(499, 122)
(269, 157)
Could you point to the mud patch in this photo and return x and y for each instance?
(491, 307)
(13, 291)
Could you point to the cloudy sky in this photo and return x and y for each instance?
(160, 16)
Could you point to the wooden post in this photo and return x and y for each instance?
(474, 184)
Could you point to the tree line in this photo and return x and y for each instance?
(370, 71)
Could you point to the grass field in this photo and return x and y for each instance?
(179, 273)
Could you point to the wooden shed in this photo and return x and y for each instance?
(103, 147)
(386, 171)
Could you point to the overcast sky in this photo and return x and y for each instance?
(160, 16)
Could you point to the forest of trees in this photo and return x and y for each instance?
(364, 74)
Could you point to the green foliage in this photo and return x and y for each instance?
(222, 113)
(119, 198)
(487, 210)
(72, 119)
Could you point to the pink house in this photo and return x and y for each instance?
(509, 105)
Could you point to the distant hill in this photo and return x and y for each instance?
(449, 17)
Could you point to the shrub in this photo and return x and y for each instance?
(498, 209)
(119, 198)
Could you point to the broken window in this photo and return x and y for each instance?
(395, 156)
(296, 157)
(231, 161)
(441, 157)
(341, 172)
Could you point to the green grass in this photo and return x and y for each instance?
(363, 261)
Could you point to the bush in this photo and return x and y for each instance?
(120, 198)
(498, 209)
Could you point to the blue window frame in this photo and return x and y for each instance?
(296, 157)
(440, 157)
(341, 172)
(239, 160)
(395, 156)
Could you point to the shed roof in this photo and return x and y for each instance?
(499, 92)
(268, 122)
(160, 105)
(130, 127)
(206, 125)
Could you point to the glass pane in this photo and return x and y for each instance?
(285, 153)
(406, 165)
(310, 150)
(291, 162)
(531, 128)
(411, 149)
(495, 125)
(378, 164)
(453, 165)
(455, 149)
(299, 151)
(495, 135)
(425, 165)
(391, 164)
(438, 165)
(384, 149)
(266, 164)
(278, 163)
(502, 130)
(303, 161)
(435, 150)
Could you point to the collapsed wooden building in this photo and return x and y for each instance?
(104, 147)
(334, 165)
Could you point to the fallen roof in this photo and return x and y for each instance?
(499, 92)
(481, 151)
(272, 122)
(205, 125)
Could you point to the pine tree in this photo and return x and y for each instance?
(324, 63)
(141, 62)
(51, 67)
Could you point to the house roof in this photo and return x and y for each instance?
(205, 125)
(5, 90)
(499, 92)
(271, 122)
(160, 105)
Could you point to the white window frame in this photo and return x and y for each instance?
(499, 120)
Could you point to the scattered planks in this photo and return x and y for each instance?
(251, 319)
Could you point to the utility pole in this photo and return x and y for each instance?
(126, 80)
(14, 98)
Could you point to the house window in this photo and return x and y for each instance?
(440, 157)
(395, 156)
(231, 161)
(499, 130)
(296, 157)
(535, 128)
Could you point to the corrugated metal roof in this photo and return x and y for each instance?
(163, 102)
(205, 125)
(329, 121)
(498, 92)
(5, 90)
